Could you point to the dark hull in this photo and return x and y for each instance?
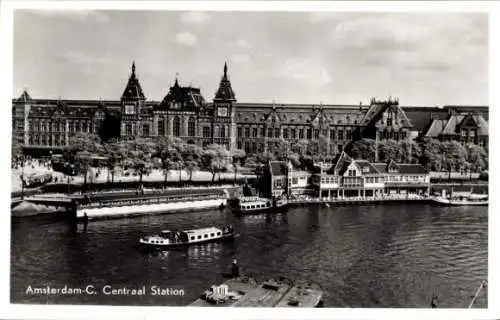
(159, 247)
(280, 209)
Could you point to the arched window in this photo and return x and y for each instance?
(191, 127)
(177, 127)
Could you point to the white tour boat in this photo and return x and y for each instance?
(259, 205)
(168, 238)
(465, 201)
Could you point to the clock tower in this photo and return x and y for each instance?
(132, 101)
(224, 122)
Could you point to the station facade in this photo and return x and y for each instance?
(48, 124)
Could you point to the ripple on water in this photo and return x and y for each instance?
(363, 256)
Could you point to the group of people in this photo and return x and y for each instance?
(227, 229)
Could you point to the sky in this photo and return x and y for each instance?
(425, 59)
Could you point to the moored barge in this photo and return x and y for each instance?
(252, 205)
(272, 293)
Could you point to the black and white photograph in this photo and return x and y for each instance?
(258, 159)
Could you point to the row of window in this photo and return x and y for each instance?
(334, 179)
(60, 126)
(253, 146)
(46, 140)
(212, 235)
(294, 133)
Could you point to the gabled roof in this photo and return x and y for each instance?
(225, 92)
(133, 90)
(342, 162)
(402, 167)
(278, 168)
(366, 167)
(435, 129)
(190, 96)
(451, 125)
(378, 108)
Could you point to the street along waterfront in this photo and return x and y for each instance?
(391, 255)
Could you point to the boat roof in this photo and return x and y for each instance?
(203, 230)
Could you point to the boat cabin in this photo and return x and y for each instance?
(256, 205)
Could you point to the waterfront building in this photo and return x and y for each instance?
(41, 125)
(347, 178)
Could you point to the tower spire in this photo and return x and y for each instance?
(225, 70)
(176, 84)
(133, 69)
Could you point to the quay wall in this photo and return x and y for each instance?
(140, 210)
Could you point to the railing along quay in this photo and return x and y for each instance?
(353, 200)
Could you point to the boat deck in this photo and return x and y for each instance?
(274, 293)
(302, 295)
(267, 295)
(238, 285)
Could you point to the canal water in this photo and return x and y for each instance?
(364, 256)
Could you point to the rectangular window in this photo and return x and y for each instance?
(301, 133)
(223, 131)
(247, 132)
(270, 132)
(332, 134)
(285, 133)
(128, 129)
(206, 132)
(316, 133)
(262, 132)
(145, 130)
(254, 132)
(348, 134)
(340, 148)
(309, 133)
(240, 131)
(277, 133)
(161, 128)
(292, 134)
(341, 135)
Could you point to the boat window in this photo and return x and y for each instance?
(199, 237)
(218, 233)
(253, 207)
(212, 234)
(192, 238)
(206, 236)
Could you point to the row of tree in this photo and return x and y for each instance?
(142, 155)
(170, 153)
(434, 155)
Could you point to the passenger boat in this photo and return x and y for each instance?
(168, 238)
(468, 201)
(259, 205)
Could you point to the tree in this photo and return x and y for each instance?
(431, 157)
(389, 150)
(114, 151)
(214, 159)
(362, 149)
(191, 166)
(237, 156)
(301, 146)
(410, 151)
(477, 157)
(165, 149)
(81, 147)
(138, 155)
